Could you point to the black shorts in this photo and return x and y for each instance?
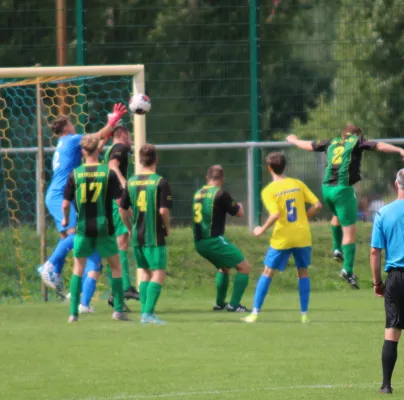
(394, 299)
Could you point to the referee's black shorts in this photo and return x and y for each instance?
(394, 299)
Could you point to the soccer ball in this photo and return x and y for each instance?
(139, 104)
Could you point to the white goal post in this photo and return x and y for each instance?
(134, 70)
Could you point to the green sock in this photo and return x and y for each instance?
(117, 292)
(239, 286)
(75, 291)
(349, 257)
(153, 294)
(143, 295)
(336, 237)
(123, 254)
(109, 275)
(222, 284)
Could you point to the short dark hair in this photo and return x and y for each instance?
(59, 124)
(118, 130)
(277, 162)
(353, 129)
(215, 173)
(147, 155)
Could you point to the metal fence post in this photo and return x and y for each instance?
(38, 195)
(250, 187)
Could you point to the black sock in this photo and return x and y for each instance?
(389, 358)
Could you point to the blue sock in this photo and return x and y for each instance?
(261, 291)
(89, 286)
(304, 293)
(59, 255)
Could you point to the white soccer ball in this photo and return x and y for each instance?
(140, 104)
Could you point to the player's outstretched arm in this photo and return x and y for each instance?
(375, 267)
(302, 144)
(314, 210)
(118, 112)
(389, 148)
(260, 230)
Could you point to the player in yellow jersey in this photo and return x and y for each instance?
(285, 200)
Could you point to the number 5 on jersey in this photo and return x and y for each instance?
(141, 201)
(292, 211)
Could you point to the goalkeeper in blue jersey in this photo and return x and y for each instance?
(67, 157)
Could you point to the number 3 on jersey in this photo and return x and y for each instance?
(292, 211)
(197, 213)
(141, 201)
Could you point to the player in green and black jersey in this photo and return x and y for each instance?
(344, 155)
(94, 187)
(117, 157)
(148, 196)
(210, 206)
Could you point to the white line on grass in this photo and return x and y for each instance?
(219, 392)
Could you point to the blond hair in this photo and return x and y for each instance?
(89, 143)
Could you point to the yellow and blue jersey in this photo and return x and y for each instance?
(288, 197)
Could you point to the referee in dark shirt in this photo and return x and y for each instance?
(388, 234)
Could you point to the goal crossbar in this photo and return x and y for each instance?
(86, 70)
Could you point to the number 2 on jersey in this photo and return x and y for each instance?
(141, 201)
(197, 213)
(337, 155)
(292, 211)
(95, 187)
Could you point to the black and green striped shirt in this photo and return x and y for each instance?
(94, 187)
(344, 156)
(210, 206)
(146, 194)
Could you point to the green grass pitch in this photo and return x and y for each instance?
(201, 354)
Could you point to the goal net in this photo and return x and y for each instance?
(30, 98)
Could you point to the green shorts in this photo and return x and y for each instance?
(120, 228)
(150, 257)
(342, 202)
(84, 246)
(220, 252)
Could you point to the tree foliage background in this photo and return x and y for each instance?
(322, 63)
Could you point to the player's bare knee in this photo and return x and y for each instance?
(349, 234)
(145, 274)
(335, 221)
(303, 272)
(94, 275)
(123, 241)
(159, 276)
(392, 334)
(244, 267)
(225, 270)
(268, 272)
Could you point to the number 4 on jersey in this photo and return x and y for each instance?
(141, 201)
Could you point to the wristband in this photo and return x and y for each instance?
(377, 284)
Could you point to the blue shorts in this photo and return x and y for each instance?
(277, 259)
(94, 263)
(53, 203)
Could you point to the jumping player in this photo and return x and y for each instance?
(148, 195)
(117, 157)
(344, 155)
(66, 158)
(210, 206)
(285, 200)
(94, 187)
